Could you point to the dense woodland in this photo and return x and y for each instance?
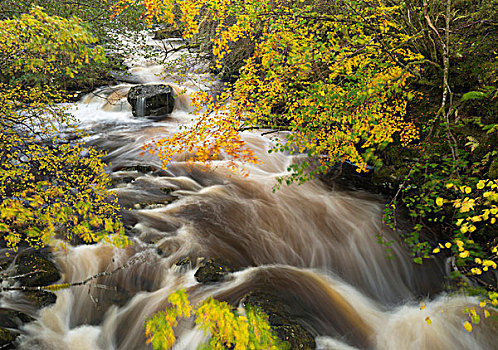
(398, 98)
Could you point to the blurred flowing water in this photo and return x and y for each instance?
(314, 247)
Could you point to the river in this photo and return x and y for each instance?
(314, 247)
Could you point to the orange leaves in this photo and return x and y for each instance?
(214, 136)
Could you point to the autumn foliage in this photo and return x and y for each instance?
(49, 187)
(406, 87)
(333, 75)
(228, 329)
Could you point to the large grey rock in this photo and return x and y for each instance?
(153, 101)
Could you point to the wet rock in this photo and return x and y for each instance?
(140, 168)
(287, 329)
(5, 262)
(117, 180)
(154, 204)
(153, 101)
(186, 263)
(37, 270)
(13, 319)
(40, 298)
(7, 338)
(212, 270)
(166, 190)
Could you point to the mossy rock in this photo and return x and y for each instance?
(285, 326)
(167, 33)
(139, 168)
(13, 319)
(6, 339)
(40, 298)
(46, 271)
(493, 170)
(212, 270)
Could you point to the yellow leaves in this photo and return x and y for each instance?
(488, 263)
(159, 328)
(57, 191)
(476, 271)
(40, 51)
(467, 326)
(439, 201)
(465, 205)
(308, 75)
(225, 327)
(73, 203)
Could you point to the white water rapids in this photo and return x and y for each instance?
(315, 248)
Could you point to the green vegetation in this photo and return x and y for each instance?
(48, 186)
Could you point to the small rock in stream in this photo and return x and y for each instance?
(212, 270)
(13, 319)
(40, 298)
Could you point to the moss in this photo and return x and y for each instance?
(40, 298)
(37, 270)
(212, 271)
(285, 326)
(493, 170)
(6, 338)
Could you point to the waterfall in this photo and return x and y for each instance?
(140, 106)
(314, 247)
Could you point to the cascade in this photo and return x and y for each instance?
(140, 106)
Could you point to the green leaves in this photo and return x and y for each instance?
(474, 95)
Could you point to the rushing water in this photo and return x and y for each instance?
(314, 247)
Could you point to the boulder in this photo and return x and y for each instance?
(285, 326)
(167, 33)
(13, 319)
(153, 101)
